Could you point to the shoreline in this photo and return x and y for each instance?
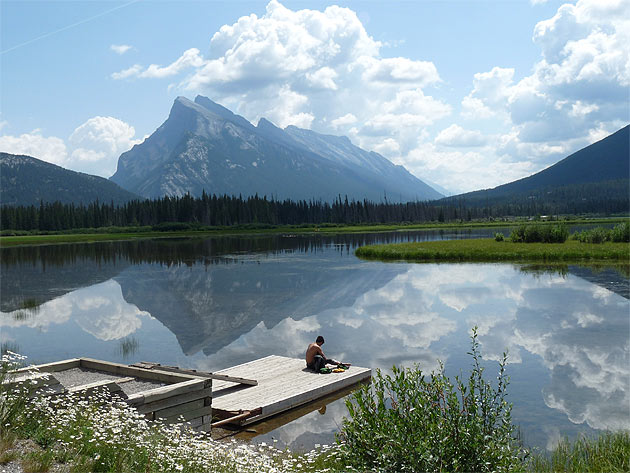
(119, 233)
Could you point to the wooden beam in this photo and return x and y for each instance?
(51, 367)
(157, 394)
(189, 415)
(204, 374)
(179, 408)
(124, 370)
(205, 393)
(32, 380)
(109, 384)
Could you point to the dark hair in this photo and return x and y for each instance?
(320, 339)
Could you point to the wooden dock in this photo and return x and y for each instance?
(240, 395)
(283, 384)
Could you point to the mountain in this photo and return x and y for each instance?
(25, 180)
(598, 171)
(204, 146)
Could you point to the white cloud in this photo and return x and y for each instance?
(311, 68)
(323, 78)
(456, 136)
(51, 149)
(580, 82)
(120, 48)
(98, 143)
(129, 72)
(347, 119)
(190, 58)
(322, 70)
(93, 147)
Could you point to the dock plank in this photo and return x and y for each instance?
(283, 383)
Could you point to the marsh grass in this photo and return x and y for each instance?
(609, 452)
(38, 461)
(7, 442)
(490, 250)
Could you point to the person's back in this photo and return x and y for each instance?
(315, 358)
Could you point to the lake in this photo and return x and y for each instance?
(211, 303)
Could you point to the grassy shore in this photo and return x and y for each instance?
(122, 233)
(489, 250)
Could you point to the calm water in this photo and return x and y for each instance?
(213, 303)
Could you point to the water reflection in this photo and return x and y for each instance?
(213, 303)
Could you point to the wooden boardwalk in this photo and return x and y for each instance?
(283, 383)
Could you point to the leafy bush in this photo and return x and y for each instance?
(540, 234)
(499, 236)
(411, 422)
(171, 226)
(620, 233)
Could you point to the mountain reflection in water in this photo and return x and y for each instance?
(216, 302)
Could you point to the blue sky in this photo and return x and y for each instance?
(465, 94)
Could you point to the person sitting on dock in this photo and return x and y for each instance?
(315, 358)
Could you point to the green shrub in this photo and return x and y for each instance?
(518, 234)
(621, 233)
(411, 422)
(540, 234)
(171, 226)
(499, 236)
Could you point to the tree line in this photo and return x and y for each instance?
(224, 210)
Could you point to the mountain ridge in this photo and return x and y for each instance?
(203, 146)
(606, 160)
(26, 180)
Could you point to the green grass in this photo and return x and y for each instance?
(609, 452)
(489, 250)
(120, 233)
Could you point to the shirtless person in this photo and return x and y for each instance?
(315, 358)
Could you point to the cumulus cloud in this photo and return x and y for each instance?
(98, 143)
(322, 70)
(312, 69)
(456, 136)
(580, 82)
(51, 149)
(132, 71)
(93, 147)
(120, 48)
(347, 119)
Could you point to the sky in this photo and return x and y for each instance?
(465, 94)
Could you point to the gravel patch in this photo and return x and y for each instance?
(79, 376)
(137, 386)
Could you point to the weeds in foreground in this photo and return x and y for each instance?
(412, 422)
(609, 452)
(407, 422)
(38, 462)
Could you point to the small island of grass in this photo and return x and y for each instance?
(527, 243)
(490, 250)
